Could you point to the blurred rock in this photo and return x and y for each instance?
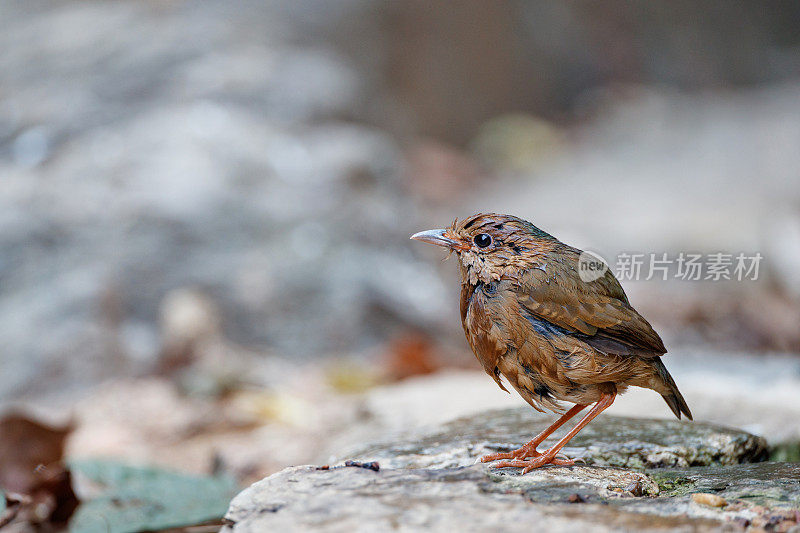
(188, 320)
(268, 156)
(146, 148)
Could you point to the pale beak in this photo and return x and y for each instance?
(435, 236)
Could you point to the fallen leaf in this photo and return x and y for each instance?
(269, 406)
(411, 355)
(27, 446)
(31, 465)
(350, 376)
(128, 498)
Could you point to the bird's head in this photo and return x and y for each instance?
(491, 246)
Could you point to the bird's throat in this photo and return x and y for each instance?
(475, 269)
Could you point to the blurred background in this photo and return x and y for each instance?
(205, 207)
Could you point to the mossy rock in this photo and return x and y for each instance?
(769, 484)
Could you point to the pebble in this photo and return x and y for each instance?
(710, 500)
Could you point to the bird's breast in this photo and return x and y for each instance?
(484, 324)
(507, 344)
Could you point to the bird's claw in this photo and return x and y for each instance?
(518, 454)
(529, 464)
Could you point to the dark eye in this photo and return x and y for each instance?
(482, 240)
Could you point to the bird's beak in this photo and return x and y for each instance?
(437, 237)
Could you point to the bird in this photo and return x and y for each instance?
(554, 335)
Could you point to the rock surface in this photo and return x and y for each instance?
(766, 484)
(428, 480)
(478, 498)
(353, 499)
(609, 441)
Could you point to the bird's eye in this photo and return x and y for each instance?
(482, 240)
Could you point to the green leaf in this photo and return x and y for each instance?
(135, 499)
(2, 502)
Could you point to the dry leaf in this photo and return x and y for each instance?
(31, 465)
(411, 355)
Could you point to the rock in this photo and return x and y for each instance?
(609, 441)
(428, 480)
(477, 498)
(454, 499)
(711, 500)
(762, 484)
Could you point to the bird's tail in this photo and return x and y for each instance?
(673, 397)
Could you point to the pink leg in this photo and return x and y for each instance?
(549, 456)
(529, 449)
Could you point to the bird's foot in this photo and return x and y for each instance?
(529, 464)
(519, 453)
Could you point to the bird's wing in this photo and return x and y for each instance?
(596, 311)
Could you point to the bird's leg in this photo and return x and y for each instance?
(549, 456)
(529, 449)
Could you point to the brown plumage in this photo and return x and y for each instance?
(529, 317)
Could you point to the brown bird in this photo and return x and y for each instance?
(529, 316)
